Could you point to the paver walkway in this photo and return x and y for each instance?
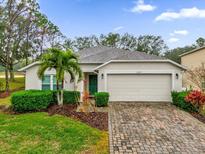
(154, 128)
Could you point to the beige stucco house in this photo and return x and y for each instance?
(126, 75)
(192, 60)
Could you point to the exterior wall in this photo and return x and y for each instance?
(33, 82)
(140, 68)
(88, 67)
(192, 61)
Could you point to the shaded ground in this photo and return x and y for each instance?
(199, 117)
(154, 128)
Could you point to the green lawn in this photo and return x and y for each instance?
(17, 84)
(40, 133)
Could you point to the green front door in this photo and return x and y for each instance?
(93, 84)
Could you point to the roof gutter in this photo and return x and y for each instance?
(28, 66)
(142, 61)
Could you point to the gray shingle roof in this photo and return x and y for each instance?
(104, 54)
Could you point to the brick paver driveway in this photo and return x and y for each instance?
(154, 128)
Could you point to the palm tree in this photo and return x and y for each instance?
(61, 61)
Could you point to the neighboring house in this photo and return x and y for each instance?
(126, 75)
(192, 60)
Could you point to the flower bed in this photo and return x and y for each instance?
(196, 98)
(97, 120)
(192, 102)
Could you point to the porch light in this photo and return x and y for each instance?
(177, 76)
(102, 76)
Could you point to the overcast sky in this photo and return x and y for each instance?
(179, 22)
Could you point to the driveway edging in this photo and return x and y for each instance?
(110, 131)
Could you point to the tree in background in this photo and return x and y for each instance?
(128, 42)
(24, 33)
(200, 42)
(173, 54)
(12, 14)
(110, 40)
(62, 62)
(151, 44)
(146, 43)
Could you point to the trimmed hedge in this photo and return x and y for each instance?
(31, 100)
(69, 97)
(101, 99)
(178, 99)
(35, 100)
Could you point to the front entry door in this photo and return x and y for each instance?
(93, 84)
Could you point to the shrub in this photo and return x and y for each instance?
(31, 100)
(69, 97)
(196, 98)
(101, 99)
(178, 99)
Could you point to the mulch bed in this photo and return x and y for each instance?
(4, 94)
(97, 120)
(199, 117)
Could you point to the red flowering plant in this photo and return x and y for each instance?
(196, 98)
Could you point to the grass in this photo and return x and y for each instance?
(17, 84)
(5, 101)
(40, 133)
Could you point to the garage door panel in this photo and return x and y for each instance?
(139, 87)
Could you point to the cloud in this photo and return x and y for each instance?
(140, 7)
(179, 32)
(173, 40)
(118, 28)
(183, 13)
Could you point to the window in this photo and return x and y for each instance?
(49, 83)
(46, 82)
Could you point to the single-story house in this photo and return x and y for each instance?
(192, 60)
(126, 75)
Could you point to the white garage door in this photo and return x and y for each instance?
(139, 87)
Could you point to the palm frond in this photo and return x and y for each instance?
(61, 61)
(43, 67)
(72, 75)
